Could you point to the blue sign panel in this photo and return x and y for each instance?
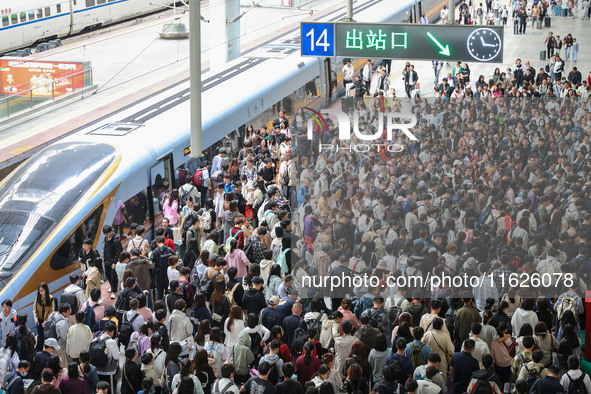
(318, 39)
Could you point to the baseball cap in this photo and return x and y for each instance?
(518, 200)
(274, 301)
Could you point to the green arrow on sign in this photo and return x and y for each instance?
(444, 50)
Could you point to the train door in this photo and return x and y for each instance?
(160, 173)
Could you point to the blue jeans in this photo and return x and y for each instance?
(567, 53)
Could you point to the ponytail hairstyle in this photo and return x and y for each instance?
(308, 350)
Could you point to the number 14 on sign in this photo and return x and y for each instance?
(317, 39)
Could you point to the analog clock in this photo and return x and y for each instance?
(484, 44)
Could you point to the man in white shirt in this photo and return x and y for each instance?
(348, 71)
(79, 338)
(480, 347)
(574, 373)
(111, 349)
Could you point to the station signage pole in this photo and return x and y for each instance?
(195, 73)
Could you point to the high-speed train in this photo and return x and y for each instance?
(111, 172)
(25, 22)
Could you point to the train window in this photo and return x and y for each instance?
(31, 16)
(90, 3)
(58, 8)
(23, 17)
(47, 11)
(134, 210)
(101, 1)
(67, 254)
(14, 19)
(39, 13)
(20, 232)
(5, 21)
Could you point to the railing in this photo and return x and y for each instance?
(27, 99)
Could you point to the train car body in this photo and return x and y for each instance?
(26, 22)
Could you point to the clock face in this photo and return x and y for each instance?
(484, 44)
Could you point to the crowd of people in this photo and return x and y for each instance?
(494, 188)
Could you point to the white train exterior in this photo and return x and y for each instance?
(26, 22)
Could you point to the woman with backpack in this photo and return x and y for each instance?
(43, 306)
(216, 351)
(158, 353)
(500, 353)
(273, 283)
(203, 371)
(142, 337)
(237, 258)
(172, 365)
(569, 345)
(11, 351)
(26, 338)
(233, 326)
(355, 383)
(184, 382)
(87, 371)
(219, 304)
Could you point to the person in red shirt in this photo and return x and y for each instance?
(306, 365)
(237, 233)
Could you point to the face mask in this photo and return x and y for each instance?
(24, 374)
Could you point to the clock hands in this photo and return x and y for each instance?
(485, 44)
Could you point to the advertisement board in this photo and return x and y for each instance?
(46, 78)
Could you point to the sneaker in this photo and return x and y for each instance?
(113, 296)
(109, 290)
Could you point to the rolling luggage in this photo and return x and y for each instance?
(547, 21)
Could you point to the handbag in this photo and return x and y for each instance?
(216, 317)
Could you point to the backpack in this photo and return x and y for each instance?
(126, 329)
(186, 194)
(8, 384)
(394, 313)
(198, 178)
(230, 294)
(248, 248)
(186, 385)
(577, 386)
(216, 388)
(205, 285)
(482, 387)
(568, 303)
(135, 345)
(315, 324)
(71, 300)
(206, 220)
(300, 336)
(450, 316)
(89, 316)
(399, 373)
(187, 224)
(285, 176)
(486, 213)
(20, 347)
(531, 376)
(274, 374)
(123, 300)
(282, 260)
(415, 355)
(257, 349)
(227, 246)
(99, 356)
(183, 291)
(50, 330)
(5, 364)
(479, 11)
(163, 256)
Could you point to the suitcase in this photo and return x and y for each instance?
(538, 24)
(543, 55)
(547, 21)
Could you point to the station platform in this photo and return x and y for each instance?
(526, 47)
(132, 64)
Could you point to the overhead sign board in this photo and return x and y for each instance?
(404, 41)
